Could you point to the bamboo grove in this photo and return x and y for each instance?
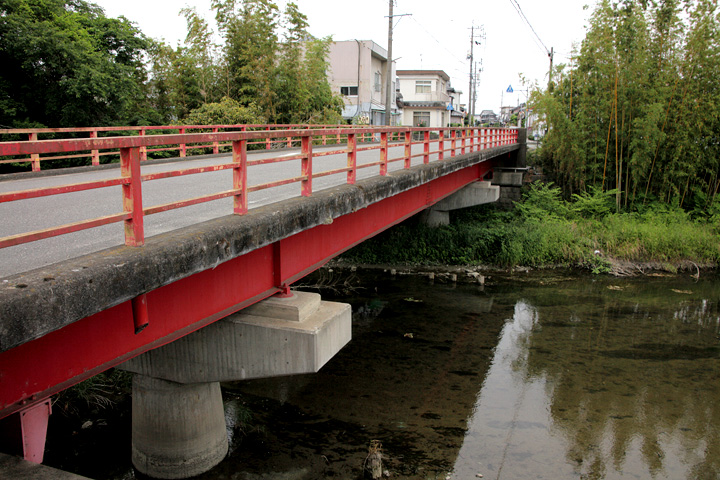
(637, 109)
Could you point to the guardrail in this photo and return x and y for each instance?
(444, 142)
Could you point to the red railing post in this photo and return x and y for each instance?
(383, 153)
(240, 199)
(34, 157)
(216, 144)
(351, 158)
(143, 149)
(426, 146)
(268, 143)
(183, 149)
(441, 145)
(289, 142)
(132, 196)
(32, 425)
(95, 152)
(463, 134)
(306, 166)
(453, 143)
(408, 149)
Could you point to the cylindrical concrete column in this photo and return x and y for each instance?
(178, 430)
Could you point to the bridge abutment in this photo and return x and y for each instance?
(178, 421)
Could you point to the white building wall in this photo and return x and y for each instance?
(361, 64)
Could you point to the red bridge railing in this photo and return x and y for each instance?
(35, 160)
(445, 143)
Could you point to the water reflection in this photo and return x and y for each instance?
(621, 380)
(408, 378)
(531, 378)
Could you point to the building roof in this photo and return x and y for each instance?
(433, 73)
(375, 49)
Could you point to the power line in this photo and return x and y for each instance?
(520, 12)
(437, 41)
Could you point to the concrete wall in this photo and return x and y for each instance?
(438, 118)
(355, 63)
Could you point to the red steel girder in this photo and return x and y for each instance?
(47, 365)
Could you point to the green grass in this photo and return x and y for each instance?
(544, 230)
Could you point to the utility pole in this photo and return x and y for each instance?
(470, 87)
(551, 55)
(475, 85)
(388, 75)
(472, 94)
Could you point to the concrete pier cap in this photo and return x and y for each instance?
(178, 420)
(274, 337)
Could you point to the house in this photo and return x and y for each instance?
(488, 117)
(457, 113)
(357, 72)
(505, 114)
(425, 98)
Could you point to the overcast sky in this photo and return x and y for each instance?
(435, 37)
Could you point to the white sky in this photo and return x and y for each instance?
(435, 37)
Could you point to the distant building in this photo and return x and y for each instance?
(457, 113)
(505, 115)
(357, 72)
(425, 98)
(488, 117)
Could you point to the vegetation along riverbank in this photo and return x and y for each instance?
(546, 231)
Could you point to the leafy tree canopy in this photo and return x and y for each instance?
(66, 64)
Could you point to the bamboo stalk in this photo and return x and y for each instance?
(607, 145)
(657, 149)
(617, 160)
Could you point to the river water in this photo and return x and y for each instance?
(532, 376)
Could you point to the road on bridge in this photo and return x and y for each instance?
(40, 213)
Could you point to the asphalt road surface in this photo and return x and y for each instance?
(39, 213)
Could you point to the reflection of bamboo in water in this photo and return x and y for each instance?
(600, 403)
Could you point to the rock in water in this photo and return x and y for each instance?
(373, 462)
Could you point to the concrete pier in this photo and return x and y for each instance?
(178, 430)
(178, 421)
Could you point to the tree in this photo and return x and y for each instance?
(225, 112)
(66, 64)
(303, 92)
(251, 49)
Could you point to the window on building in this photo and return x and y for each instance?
(421, 119)
(423, 86)
(378, 82)
(348, 91)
